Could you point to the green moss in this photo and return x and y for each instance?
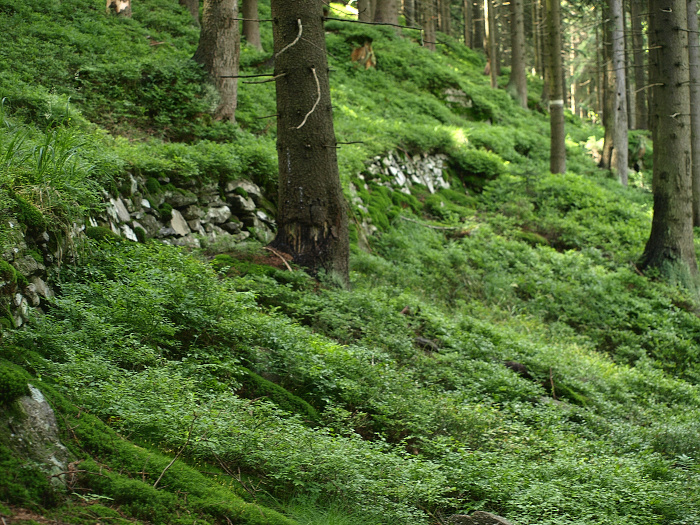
(9, 274)
(140, 234)
(255, 386)
(101, 233)
(240, 191)
(153, 186)
(166, 211)
(13, 383)
(28, 214)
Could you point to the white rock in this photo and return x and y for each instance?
(179, 224)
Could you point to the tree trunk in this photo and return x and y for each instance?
(537, 38)
(620, 143)
(365, 10)
(608, 91)
(628, 66)
(251, 26)
(517, 85)
(193, 7)
(311, 218)
(468, 13)
(479, 25)
(557, 156)
(445, 21)
(670, 247)
(409, 12)
(218, 52)
(641, 104)
(492, 49)
(694, 73)
(429, 24)
(387, 12)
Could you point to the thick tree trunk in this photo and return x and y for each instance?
(694, 73)
(218, 52)
(445, 18)
(670, 247)
(311, 217)
(620, 143)
(468, 13)
(517, 85)
(429, 24)
(492, 49)
(557, 155)
(251, 26)
(193, 7)
(641, 105)
(387, 12)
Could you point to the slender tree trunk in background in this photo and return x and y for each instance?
(251, 26)
(311, 218)
(429, 24)
(557, 158)
(641, 105)
(193, 7)
(478, 37)
(694, 74)
(536, 38)
(629, 81)
(620, 140)
(218, 52)
(670, 247)
(387, 12)
(409, 11)
(544, 39)
(492, 51)
(468, 13)
(445, 21)
(600, 75)
(608, 91)
(517, 85)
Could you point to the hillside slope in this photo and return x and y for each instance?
(497, 350)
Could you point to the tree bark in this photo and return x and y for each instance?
(608, 91)
(387, 12)
(517, 85)
(694, 72)
(492, 50)
(670, 246)
(409, 12)
(641, 104)
(312, 218)
(620, 141)
(251, 26)
(364, 11)
(218, 52)
(445, 18)
(193, 7)
(468, 12)
(557, 155)
(429, 24)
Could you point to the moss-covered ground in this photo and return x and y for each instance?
(498, 349)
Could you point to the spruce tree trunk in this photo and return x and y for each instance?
(218, 52)
(608, 92)
(492, 50)
(479, 36)
(620, 141)
(694, 73)
(517, 85)
(670, 247)
(312, 217)
(429, 24)
(557, 155)
(641, 105)
(445, 21)
(364, 11)
(468, 13)
(387, 12)
(409, 12)
(193, 7)
(251, 26)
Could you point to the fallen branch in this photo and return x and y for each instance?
(278, 254)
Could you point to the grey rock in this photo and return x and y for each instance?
(145, 203)
(41, 287)
(180, 199)
(240, 204)
(150, 224)
(252, 189)
(218, 215)
(32, 294)
(178, 224)
(35, 433)
(117, 211)
(196, 226)
(28, 266)
(193, 212)
(129, 233)
(232, 227)
(189, 241)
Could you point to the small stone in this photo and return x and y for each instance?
(240, 204)
(218, 215)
